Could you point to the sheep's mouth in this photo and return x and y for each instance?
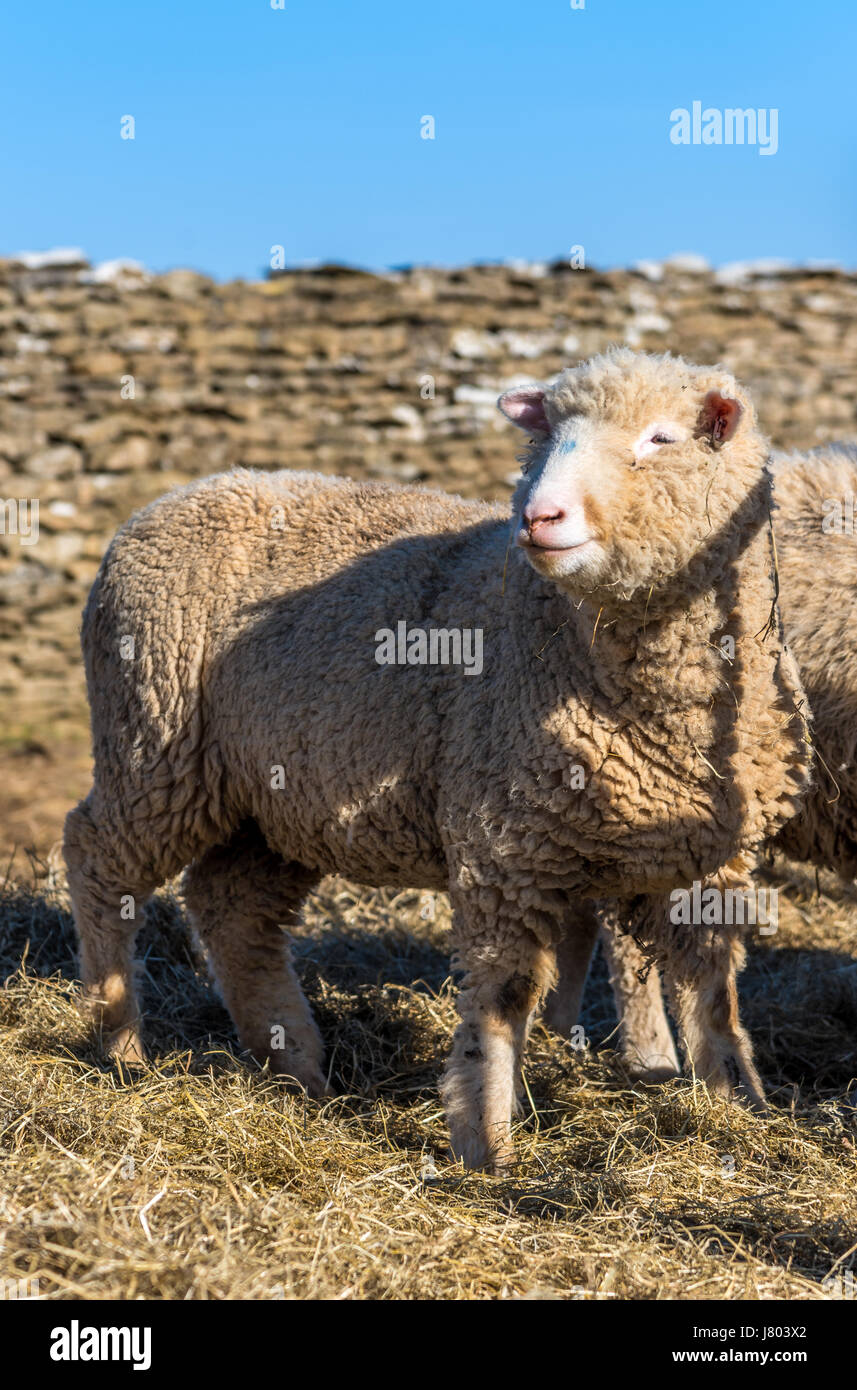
(558, 549)
(562, 563)
(540, 548)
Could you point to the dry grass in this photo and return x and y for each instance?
(199, 1178)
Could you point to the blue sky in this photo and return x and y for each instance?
(300, 127)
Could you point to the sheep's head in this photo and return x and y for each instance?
(635, 462)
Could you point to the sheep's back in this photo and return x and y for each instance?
(249, 606)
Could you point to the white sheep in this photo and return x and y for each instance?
(815, 527)
(242, 721)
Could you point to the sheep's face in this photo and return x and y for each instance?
(634, 461)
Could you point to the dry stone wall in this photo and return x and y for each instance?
(115, 384)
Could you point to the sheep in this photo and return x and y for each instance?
(818, 578)
(814, 527)
(243, 726)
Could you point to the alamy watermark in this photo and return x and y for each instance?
(430, 646)
(838, 515)
(719, 907)
(734, 125)
(13, 1290)
(76, 1343)
(19, 516)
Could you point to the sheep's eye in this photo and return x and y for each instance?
(662, 439)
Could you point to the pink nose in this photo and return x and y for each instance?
(542, 516)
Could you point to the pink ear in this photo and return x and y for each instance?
(525, 408)
(720, 417)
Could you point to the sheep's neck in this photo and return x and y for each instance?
(694, 656)
(665, 664)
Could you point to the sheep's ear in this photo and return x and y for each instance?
(720, 417)
(525, 407)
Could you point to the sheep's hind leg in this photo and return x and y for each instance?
(109, 881)
(507, 975)
(702, 986)
(573, 955)
(240, 896)
(647, 1046)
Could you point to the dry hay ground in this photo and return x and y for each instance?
(200, 1178)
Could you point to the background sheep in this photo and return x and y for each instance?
(240, 719)
(814, 524)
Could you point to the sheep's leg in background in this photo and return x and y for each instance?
(507, 973)
(110, 876)
(647, 1045)
(700, 966)
(240, 896)
(646, 1042)
(573, 955)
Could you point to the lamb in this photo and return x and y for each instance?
(813, 521)
(242, 725)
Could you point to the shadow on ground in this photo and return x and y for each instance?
(374, 991)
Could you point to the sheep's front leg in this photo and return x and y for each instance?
(507, 973)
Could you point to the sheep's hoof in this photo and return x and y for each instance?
(481, 1157)
(740, 1085)
(500, 1165)
(309, 1079)
(318, 1088)
(753, 1098)
(126, 1046)
(746, 1083)
(652, 1070)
